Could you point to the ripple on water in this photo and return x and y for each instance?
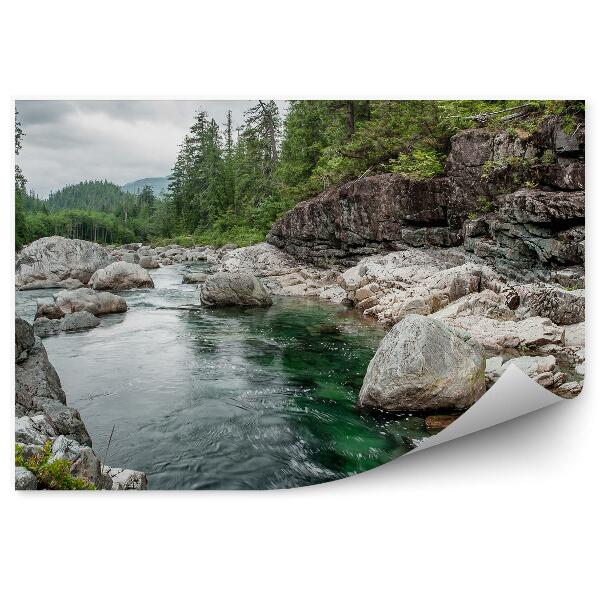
(226, 398)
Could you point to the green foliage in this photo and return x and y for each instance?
(101, 196)
(55, 475)
(419, 164)
(230, 186)
(485, 204)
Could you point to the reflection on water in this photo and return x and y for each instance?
(226, 398)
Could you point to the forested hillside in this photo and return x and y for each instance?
(90, 195)
(230, 184)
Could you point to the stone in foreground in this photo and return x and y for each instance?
(424, 366)
(126, 479)
(119, 276)
(234, 289)
(25, 479)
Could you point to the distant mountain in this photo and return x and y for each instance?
(158, 185)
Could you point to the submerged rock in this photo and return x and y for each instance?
(51, 260)
(234, 289)
(79, 320)
(438, 422)
(423, 365)
(121, 276)
(43, 326)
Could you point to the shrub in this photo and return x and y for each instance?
(419, 164)
(51, 476)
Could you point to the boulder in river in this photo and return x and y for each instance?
(148, 262)
(234, 289)
(121, 275)
(79, 320)
(43, 326)
(194, 278)
(70, 301)
(423, 365)
(51, 260)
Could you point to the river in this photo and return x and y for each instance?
(231, 398)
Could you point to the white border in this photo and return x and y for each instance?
(510, 512)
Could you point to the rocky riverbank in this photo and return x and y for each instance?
(486, 259)
(50, 433)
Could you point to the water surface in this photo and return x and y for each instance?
(236, 398)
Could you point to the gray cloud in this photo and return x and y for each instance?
(68, 141)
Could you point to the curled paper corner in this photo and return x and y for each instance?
(513, 395)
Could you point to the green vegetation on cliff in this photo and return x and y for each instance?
(231, 185)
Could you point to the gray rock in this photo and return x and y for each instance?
(44, 327)
(79, 320)
(423, 365)
(560, 306)
(234, 289)
(25, 479)
(36, 381)
(121, 276)
(130, 257)
(149, 262)
(33, 430)
(84, 462)
(126, 479)
(194, 278)
(496, 336)
(84, 299)
(65, 420)
(66, 284)
(24, 338)
(55, 259)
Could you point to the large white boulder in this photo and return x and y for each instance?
(423, 365)
(51, 260)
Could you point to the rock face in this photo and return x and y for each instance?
(416, 282)
(513, 200)
(340, 220)
(424, 366)
(119, 276)
(38, 392)
(43, 415)
(51, 261)
(282, 274)
(234, 289)
(84, 299)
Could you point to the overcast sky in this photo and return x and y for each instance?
(68, 141)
